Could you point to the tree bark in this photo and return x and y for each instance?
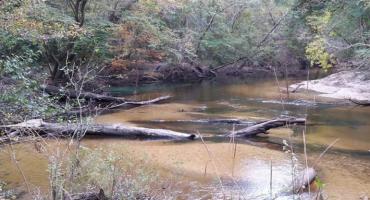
(207, 121)
(121, 130)
(89, 110)
(263, 127)
(78, 9)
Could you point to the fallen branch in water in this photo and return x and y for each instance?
(121, 130)
(360, 102)
(55, 91)
(263, 127)
(128, 104)
(207, 121)
(109, 102)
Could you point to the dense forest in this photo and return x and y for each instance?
(62, 60)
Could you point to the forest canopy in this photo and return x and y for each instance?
(211, 32)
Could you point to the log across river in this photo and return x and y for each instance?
(121, 130)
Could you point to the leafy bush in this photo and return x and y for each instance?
(316, 53)
(20, 74)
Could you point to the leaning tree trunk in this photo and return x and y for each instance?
(263, 127)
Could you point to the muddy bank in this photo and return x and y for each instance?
(351, 84)
(146, 73)
(255, 71)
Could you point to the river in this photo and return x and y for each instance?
(217, 167)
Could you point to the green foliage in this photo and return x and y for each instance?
(145, 35)
(316, 53)
(78, 46)
(18, 66)
(42, 36)
(343, 26)
(320, 184)
(10, 6)
(11, 45)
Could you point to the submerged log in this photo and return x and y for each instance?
(127, 105)
(360, 102)
(206, 121)
(60, 129)
(305, 178)
(55, 91)
(263, 127)
(140, 103)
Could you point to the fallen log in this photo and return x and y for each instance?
(55, 91)
(360, 102)
(207, 121)
(140, 103)
(121, 130)
(305, 178)
(127, 105)
(263, 127)
(61, 129)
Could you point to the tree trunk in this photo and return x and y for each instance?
(207, 121)
(78, 8)
(121, 130)
(60, 129)
(89, 110)
(263, 127)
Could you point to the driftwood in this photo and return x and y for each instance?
(60, 129)
(207, 121)
(109, 101)
(55, 91)
(127, 105)
(121, 130)
(263, 127)
(360, 102)
(306, 177)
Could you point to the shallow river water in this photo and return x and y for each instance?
(218, 167)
